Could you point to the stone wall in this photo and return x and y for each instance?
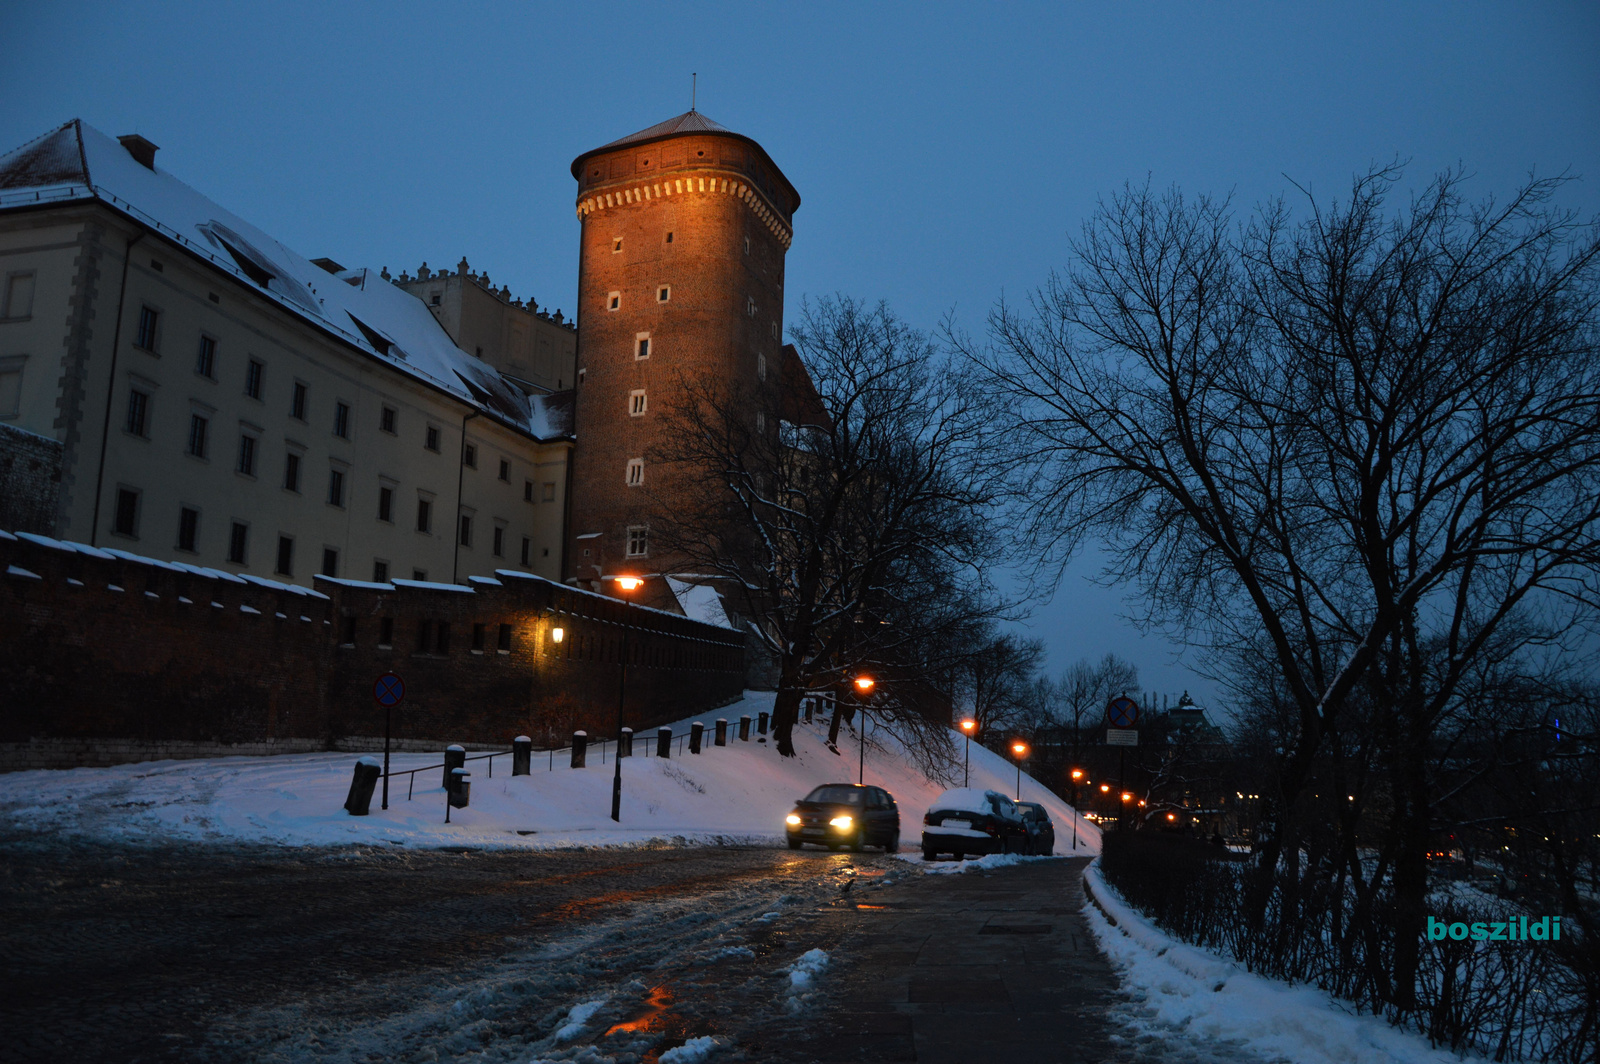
(113, 657)
(30, 480)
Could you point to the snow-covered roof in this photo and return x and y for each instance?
(78, 162)
(699, 602)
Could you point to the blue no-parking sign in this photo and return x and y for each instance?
(389, 690)
(1122, 712)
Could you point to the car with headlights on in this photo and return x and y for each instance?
(838, 815)
(969, 821)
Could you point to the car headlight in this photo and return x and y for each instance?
(792, 818)
(842, 822)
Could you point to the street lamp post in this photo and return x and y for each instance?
(969, 726)
(1019, 748)
(1077, 774)
(625, 583)
(863, 689)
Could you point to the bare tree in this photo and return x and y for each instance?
(851, 528)
(1085, 688)
(996, 682)
(1362, 448)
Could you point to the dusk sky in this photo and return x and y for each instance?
(944, 153)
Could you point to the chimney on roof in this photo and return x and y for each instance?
(143, 152)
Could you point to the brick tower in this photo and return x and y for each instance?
(680, 271)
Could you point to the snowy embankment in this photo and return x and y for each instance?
(1182, 988)
(734, 794)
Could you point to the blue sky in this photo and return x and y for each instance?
(944, 153)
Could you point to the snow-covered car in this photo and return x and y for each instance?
(845, 814)
(967, 820)
(1041, 832)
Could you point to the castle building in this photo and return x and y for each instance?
(680, 276)
(177, 384)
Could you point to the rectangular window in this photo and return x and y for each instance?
(505, 470)
(205, 363)
(616, 245)
(549, 492)
(434, 299)
(148, 320)
(613, 300)
(126, 520)
(499, 542)
(638, 542)
(750, 306)
(636, 403)
(188, 528)
(19, 296)
(663, 293)
(635, 473)
(297, 405)
(330, 562)
(527, 549)
(291, 472)
(424, 517)
(198, 427)
(386, 630)
(504, 642)
(424, 630)
(385, 504)
(138, 412)
(285, 566)
(341, 420)
(386, 420)
(247, 455)
(466, 530)
(469, 456)
(238, 542)
(477, 637)
(643, 350)
(335, 487)
(252, 379)
(433, 439)
(527, 491)
(11, 386)
(380, 575)
(441, 638)
(419, 575)
(347, 636)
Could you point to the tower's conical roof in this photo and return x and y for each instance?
(688, 123)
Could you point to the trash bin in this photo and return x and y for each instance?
(454, 758)
(625, 743)
(580, 749)
(761, 722)
(461, 790)
(368, 769)
(521, 755)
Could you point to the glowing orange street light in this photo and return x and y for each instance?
(1104, 787)
(863, 688)
(1019, 748)
(626, 583)
(1077, 774)
(1172, 816)
(864, 683)
(557, 634)
(969, 726)
(1127, 796)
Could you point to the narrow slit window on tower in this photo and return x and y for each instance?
(643, 350)
(750, 306)
(663, 293)
(669, 237)
(613, 300)
(636, 402)
(616, 244)
(635, 475)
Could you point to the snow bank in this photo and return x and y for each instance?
(734, 794)
(986, 863)
(1202, 996)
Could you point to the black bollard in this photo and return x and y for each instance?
(761, 723)
(460, 787)
(697, 733)
(663, 742)
(454, 757)
(368, 769)
(744, 728)
(722, 732)
(580, 748)
(521, 755)
(625, 743)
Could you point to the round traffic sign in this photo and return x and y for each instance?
(1122, 712)
(389, 690)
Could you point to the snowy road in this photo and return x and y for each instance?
(678, 955)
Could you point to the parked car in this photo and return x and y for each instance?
(845, 814)
(967, 820)
(1041, 832)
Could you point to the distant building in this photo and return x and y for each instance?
(176, 382)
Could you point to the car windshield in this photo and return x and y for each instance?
(836, 794)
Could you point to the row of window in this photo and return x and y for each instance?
(433, 637)
(125, 522)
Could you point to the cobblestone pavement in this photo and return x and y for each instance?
(203, 953)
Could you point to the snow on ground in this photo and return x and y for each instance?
(1179, 989)
(986, 863)
(734, 794)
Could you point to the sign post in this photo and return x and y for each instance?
(1122, 714)
(388, 691)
